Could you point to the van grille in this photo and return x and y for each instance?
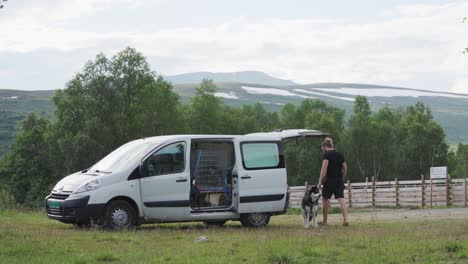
(55, 211)
(59, 196)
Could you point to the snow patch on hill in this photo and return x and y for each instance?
(327, 95)
(387, 92)
(273, 91)
(230, 95)
(8, 98)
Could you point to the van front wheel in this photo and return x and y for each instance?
(255, 220)
(119, 215)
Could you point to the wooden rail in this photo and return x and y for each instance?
(416, 193)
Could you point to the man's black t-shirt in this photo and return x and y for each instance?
(335, 163)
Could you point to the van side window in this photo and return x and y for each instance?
(168, 160)
(262, 155)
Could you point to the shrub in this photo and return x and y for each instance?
(7, 201)
(281, 259)
(453, 247)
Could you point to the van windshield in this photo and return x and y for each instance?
(123, 156)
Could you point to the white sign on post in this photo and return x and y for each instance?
(438, 172)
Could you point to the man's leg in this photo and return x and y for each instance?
(344, 210)
(325, 210)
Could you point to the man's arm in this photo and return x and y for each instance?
(323, 172)
(344, 170)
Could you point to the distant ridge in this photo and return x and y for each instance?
(236, 89)
(256, 77)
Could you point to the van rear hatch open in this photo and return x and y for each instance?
(292, 133)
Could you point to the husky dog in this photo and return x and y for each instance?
(310, 205)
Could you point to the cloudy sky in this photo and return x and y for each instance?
(408, 43)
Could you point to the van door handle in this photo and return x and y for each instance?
(246, 177)
(181, 180)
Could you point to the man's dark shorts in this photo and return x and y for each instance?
(333, 187)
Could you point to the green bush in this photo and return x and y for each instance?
(281, 258)
(453, 247)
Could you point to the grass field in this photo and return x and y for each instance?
(29, 237)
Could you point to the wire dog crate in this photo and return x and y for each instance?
(211, 172)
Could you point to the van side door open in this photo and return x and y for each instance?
(262, 171)
(165, 183)
(262, 176)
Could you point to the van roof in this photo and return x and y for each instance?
(275, 135)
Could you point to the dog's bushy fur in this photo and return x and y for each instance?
(310, 205)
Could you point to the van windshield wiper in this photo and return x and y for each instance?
(101, 171)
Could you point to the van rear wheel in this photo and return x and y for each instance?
(255, 220)
(119, 215)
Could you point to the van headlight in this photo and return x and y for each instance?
(91, 185)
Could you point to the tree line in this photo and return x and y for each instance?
(118, 99)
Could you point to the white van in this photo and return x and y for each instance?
(209, 178)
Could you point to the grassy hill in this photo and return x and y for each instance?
(450, 110)
(15, 105)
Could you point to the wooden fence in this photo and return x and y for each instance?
(419, 193)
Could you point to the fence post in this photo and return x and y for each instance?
(365, 191)
(349, 195)
(447, 190)
(373, 191)
(397, 194)
(464, 184)
(423, 187)
(431, 191)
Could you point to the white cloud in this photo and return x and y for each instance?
(385, 52)
(461, 85)
(42, 25)
(409, 44)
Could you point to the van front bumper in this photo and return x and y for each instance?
(72, 209)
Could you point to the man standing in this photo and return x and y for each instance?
(332, 175)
